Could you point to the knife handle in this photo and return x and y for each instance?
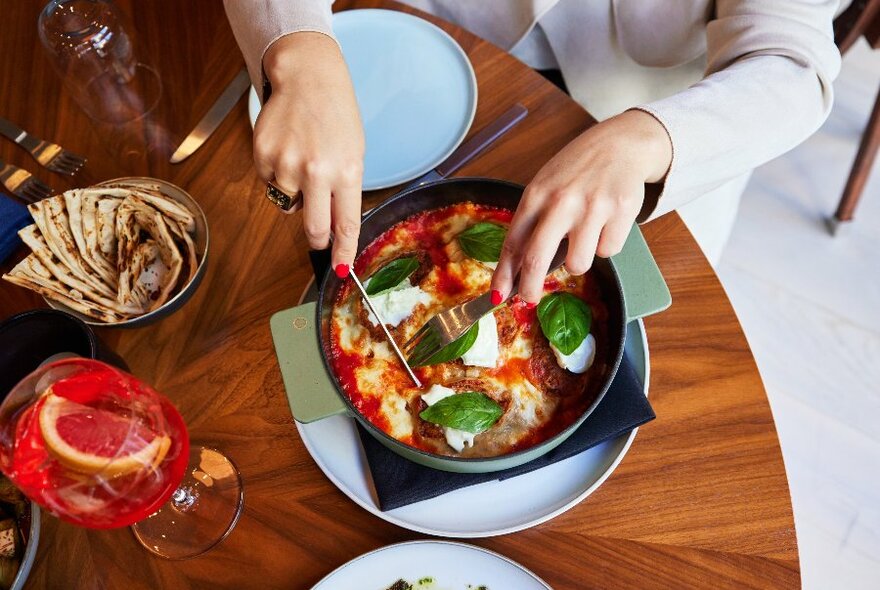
(482, 139)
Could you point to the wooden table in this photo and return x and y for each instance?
(701, 500)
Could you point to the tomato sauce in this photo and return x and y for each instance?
(420, 233)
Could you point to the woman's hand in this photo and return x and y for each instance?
(592, 192)
(309, 138)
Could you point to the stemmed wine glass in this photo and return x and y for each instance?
(99, 448)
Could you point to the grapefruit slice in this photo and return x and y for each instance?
(92, 441)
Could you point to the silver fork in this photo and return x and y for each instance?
(50, 155)
(448, 326)
(23, 184)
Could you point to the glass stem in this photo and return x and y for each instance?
(184, 499)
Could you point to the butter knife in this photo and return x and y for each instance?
(212, 119)
(388, 335)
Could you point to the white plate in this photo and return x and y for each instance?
(529, 499)
(453, 566)
(415, 88)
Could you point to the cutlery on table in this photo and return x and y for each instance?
(20, 182)
(212, 119)
(49, 155)
(451, 324)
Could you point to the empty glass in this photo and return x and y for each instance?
(93, 54)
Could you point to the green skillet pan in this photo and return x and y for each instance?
(631, 279)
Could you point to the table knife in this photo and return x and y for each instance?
(212, 119)
(474, 146)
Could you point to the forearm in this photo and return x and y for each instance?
(768, 87)
(257, 24)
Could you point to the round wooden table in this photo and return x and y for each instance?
(701, 499)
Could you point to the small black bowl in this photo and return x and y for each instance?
(29, 338)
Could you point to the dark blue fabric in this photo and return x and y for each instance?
(13, 217)
(399, 481)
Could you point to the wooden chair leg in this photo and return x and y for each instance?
(858, 176)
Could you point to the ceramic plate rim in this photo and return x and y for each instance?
(254, 106)
(468, 546)
(568, 505)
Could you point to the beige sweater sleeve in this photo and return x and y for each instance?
(259, 23)
(767, 88)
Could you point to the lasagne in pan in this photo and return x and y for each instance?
(518, 377)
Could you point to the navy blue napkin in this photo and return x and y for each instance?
(13, 217)
(399, 482)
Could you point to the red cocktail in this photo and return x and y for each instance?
(101, 449)
(93, 445)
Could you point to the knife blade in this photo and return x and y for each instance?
(388, 335)
(212, 119)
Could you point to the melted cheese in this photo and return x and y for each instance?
(457, 439)
(379, 383)
(580, 359)
(484, 352)
(396, 304)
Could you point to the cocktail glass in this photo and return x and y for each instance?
(99, 448)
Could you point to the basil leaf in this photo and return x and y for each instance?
(565, 320)
(482, 241)
(391, 275)
(450, 352)
(469, 411)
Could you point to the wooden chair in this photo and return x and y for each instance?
(861, 18)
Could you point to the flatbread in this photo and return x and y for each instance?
(109, 252)
(85, 238)
(51, 218)
(133, 217)
(153, 195)
(31, 274)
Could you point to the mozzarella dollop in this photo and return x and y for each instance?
(484, 352)
(580, 359)
(397, 303)
(457, 439)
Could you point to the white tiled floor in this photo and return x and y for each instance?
(810, 307)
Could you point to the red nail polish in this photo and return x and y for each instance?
(341, 270)
(530, 305)
(495, 297)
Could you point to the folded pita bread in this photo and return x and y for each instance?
(31, 274)
(52, 220)
(153, 195)
(133, 217)
(110, 252)
(84, 234)
(185, 243)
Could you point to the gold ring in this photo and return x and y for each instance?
(282, 200)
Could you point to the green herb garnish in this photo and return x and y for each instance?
(482, 241)
(391, 275)
(450, 352)
(469, 411)
(565, 320)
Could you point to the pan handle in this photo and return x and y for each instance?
(644, 290)
(310, 393)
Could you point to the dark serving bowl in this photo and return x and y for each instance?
(631, 281)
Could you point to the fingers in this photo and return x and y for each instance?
(613, 236)
(539, 252)
(346, 214)
(316, 214)
(582, 241)
(521, 227)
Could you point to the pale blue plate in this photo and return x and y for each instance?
(415, 87)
